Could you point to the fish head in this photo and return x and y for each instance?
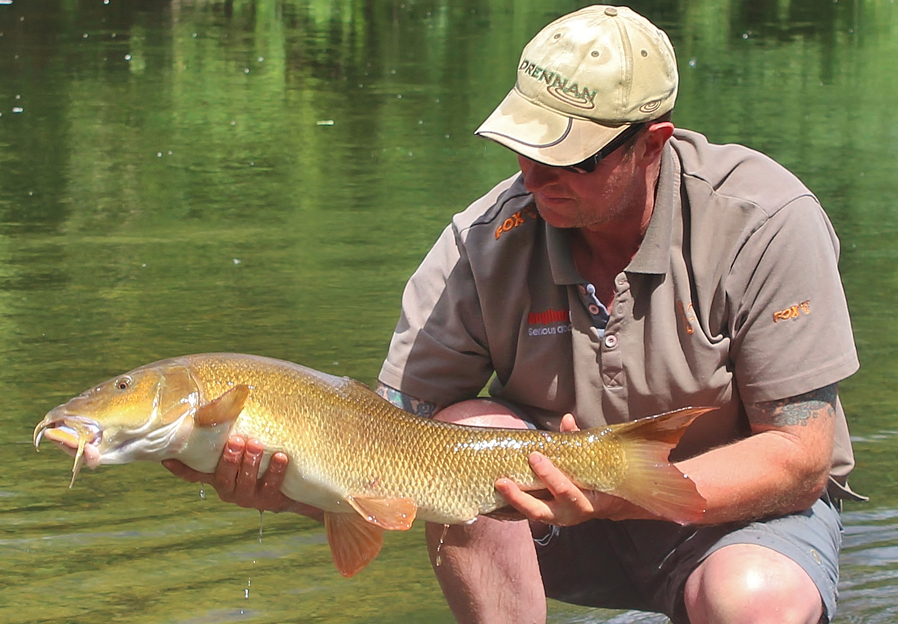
(137, 415)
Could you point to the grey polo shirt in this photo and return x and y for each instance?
(734, 295)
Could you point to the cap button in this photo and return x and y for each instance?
(610, 11)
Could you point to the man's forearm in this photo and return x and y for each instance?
(782, 468)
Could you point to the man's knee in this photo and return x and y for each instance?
(750, 583)
(482, 413)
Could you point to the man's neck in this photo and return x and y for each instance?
(601, 256)
(601, 253)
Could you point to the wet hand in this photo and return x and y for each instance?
(566, 504)
(236, 478)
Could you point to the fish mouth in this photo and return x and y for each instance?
(76, 435)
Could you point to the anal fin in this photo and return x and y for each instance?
(354, 541)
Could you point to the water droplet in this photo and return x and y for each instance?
(202, 485)
(18, 109)
(246, 593)
(439, 558)
(127, 57)
(236, 260)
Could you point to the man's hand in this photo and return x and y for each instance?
(236, 479)
(567, 505)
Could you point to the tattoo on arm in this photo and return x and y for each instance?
(406, 402)
(797, 410)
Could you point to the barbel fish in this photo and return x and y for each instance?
(369, 465)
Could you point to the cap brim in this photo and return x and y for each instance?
(543, 135)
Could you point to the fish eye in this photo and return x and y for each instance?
(123, 383)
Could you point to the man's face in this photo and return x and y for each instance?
(612, 194)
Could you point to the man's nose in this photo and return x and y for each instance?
(536, 175)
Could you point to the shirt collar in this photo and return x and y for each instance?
(561, 260)
(653, 255)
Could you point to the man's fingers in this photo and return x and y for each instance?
(225, 478)
(568, 504)
(270, 484)
(568, 423)
(245, 490)
(236, 478)
(554, 480)
(532, 508)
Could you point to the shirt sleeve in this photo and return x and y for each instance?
(789, 321)
(439, 350)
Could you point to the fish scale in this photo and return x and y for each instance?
(367, 464)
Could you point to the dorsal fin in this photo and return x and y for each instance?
(224, 409)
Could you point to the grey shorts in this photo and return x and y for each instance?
(644, 564)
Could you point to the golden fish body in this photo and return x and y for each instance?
(369, 465)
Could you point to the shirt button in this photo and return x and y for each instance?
(610, 341)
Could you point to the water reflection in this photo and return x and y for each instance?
(170, 183)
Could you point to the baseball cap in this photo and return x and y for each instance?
(581, 82)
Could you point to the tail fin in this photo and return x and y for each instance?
(652, 482)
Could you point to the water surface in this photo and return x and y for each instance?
(263, 176)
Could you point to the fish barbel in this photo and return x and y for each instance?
(369, 465)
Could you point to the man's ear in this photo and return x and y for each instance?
(656, 135)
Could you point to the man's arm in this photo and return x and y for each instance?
(781, 468)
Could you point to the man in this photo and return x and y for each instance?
(629, 269)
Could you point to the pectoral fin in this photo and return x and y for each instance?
(224, 409)
(354, 541)
(392, 514)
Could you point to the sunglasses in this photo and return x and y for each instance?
(589, 165)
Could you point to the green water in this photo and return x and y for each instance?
(189, 176)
